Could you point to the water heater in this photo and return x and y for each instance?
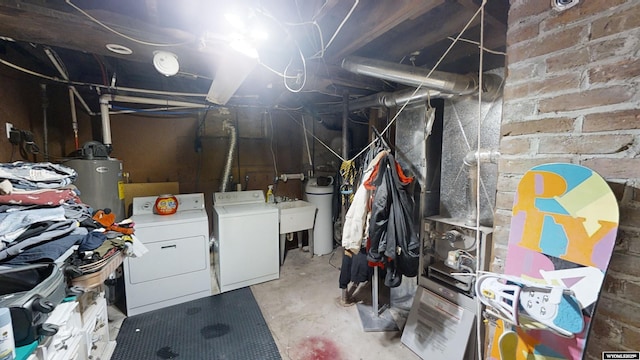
(99, 180)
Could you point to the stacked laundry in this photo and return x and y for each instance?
(42, 215)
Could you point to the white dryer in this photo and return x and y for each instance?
(176, 268)
(246, 239)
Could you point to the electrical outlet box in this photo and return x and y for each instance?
(9, 127)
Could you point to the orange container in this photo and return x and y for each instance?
(166, 205)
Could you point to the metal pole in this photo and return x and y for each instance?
(345, 150)
(374, 291)
(45, 105)
(345, 122)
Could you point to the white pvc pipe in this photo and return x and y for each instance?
(285, 177)
(65, 76)
(150, 101)
(472, 160)
(84, 104)
(104, 114)
(481, 156)
(106, 99)
(162, 108)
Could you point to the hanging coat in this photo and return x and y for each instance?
(393, 239)
(353, 230)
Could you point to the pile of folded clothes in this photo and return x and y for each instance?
(42, 217)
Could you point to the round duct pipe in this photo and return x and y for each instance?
(412, 75)
(390, 99)
(439, 85)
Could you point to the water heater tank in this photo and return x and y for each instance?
(100, 183)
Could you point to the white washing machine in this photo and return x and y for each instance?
(246, 239)
(176, 268)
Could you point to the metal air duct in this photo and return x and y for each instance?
(390, 99)
(439, 85)
(411, 75)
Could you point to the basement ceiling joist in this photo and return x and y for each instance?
(415, 32)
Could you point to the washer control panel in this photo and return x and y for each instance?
(238, 197)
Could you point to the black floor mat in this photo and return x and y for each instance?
(226, 326)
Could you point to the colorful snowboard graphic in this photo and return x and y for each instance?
(564, 226)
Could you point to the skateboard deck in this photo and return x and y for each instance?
(563, 230)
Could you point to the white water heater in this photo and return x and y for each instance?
(322, 198)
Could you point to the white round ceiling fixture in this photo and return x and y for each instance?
(166, 63)
(119, 49)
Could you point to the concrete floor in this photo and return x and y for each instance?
(304, 315)
(306, 321)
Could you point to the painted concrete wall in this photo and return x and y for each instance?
(160, 148)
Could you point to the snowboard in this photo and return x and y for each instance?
(563, 230)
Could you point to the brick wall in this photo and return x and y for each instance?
(572, 94)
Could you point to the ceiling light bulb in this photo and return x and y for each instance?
(245, 48)
(259, 34)
(235, 21)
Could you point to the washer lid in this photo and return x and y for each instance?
(174, 219)
(245, 209)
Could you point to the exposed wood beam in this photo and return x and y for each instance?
(424, 39)
(463, 48)
(33, 23)
(488, 17)
(377, 21)
(325, 9)
(152, 11)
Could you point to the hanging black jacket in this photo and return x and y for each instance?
(393, 239)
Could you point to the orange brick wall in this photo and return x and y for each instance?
(572, 94)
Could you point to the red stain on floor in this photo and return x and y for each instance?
(315, 348)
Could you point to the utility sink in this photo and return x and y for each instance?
(297, 215)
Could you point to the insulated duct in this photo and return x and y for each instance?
(227, 125)
(412, 75)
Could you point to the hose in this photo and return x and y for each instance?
(227, 125)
